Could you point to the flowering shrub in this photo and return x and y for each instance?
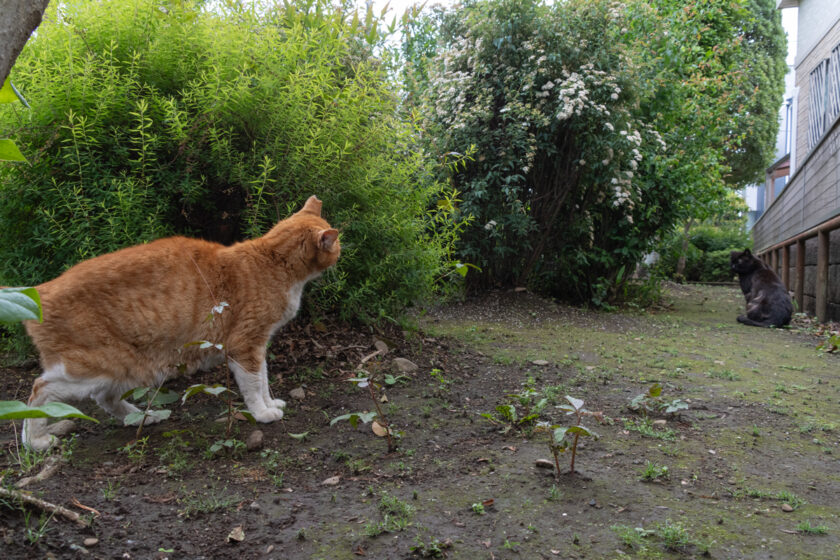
(546, 97)
(593, 127)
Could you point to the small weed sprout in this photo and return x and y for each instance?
(560, 435)
(478, 508)
(652, 402)
(396, 516)
(153, 396)
(433, 548)
(381, 427)
(136, 450)
(806, 528)
(507, 416)
(653, 472)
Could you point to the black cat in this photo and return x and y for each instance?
(768, 301)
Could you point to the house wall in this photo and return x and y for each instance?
(808, 60)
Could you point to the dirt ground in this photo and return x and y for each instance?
(748, 470)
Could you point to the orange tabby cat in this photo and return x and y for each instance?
(126, 319)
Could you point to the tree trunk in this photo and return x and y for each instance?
(18, 19)
(684, 251)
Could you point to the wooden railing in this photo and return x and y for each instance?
(808, 207)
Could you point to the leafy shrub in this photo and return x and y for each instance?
(150, 119)
(550, 180)
(593, 127)
(715, 266)
(707, 237)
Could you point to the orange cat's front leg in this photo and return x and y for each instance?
(254, 388)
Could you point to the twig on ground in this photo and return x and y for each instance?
(50, 467)
(44, 505)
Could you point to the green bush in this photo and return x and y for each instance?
(711, 238)
(555, 144)
(153, 118)
(715, 266)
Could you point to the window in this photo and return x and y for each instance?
(824, 96)
(816, 103)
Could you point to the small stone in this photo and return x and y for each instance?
(298, 393)
(659, 422)
(787, 508)
(539, 362)
(544, 464)
(405, 366)
(332, 481)
(255, 440)
(380, 345)
(592, 502)
(255, 506)
(90, 541)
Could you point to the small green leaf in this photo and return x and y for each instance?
(248, 416)
(20, 304)
(577, 403)
(655, 390)
(214, 390)
(299, 437)
(160, 414)
(9, 151)
(15, 410)
(559, 434)
(10, 94)
(508, 412)
(582, 431)
(136, 393)
(133, 417)
(164, 397)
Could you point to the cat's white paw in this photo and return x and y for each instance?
(267, 415)
(277, 403)
(41, 443)
(61, 428)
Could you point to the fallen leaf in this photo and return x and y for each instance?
(236, 534)
(378, 429)
(488, 503)
(332, 481)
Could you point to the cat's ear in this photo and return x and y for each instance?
(747, 252)
(312, 206)
(327, 239)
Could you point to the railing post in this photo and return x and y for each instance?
(774, 260)
(822, 276)
(800, 275)
(786, 266)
